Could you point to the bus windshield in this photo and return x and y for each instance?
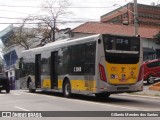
(121, 50)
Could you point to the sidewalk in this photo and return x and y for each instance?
(151, 90)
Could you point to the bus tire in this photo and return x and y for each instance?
(102, 95)
(30, 88)
(67, 89)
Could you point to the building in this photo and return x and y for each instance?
(121, 21)
(149, 44)
(1, 65)
(148, 15)
(63, 33)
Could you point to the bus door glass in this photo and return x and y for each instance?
(38, 71)
(54, 69)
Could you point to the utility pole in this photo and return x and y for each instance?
(135, 18)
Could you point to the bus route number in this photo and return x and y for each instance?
(122, 41)
(77, 69)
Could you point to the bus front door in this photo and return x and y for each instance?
(38, 71)
(54, 69)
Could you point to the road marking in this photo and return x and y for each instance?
(21, 108)
(30, 93)
(23, 92)
(16, 94)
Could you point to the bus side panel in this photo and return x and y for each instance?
(80, 84)
(100, 59)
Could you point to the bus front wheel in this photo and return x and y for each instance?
(31, 90)
(67, 89)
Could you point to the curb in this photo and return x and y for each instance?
(141, 95)
(155, 86)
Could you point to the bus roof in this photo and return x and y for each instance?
(66, 42)
(61, 43)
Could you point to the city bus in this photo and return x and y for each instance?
(100, 64)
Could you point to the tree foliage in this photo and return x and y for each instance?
(157, 37)
(25, 37)
(45, 30)
(52, 11)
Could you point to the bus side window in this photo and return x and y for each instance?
(90, 58)
(21, 63)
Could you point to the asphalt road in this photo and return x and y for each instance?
(22, 100)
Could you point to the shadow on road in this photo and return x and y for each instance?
(91, 98)
(113, 99)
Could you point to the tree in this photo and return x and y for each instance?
(25, 37)
(157, 37)
(53, 10)
(46, 27)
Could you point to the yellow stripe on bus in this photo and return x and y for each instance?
(82, 85)
(46, 83)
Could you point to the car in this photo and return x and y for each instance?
(151, 70)
(4, 83)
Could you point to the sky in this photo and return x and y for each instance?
(12, 11)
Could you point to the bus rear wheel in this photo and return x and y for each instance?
(102, 95)
(67, 89)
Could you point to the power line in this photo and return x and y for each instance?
(16, 12)
(10, 18)
(44, 22)
(20, 6)
(42, 18)
(57, 6)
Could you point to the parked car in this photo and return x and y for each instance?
(4, 83)
(151, 70)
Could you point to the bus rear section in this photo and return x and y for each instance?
(120, 60)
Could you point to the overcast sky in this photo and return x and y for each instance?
(91, 11)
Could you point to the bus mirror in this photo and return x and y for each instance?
(99, 41)
(138, 36)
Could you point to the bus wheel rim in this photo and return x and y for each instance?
(67, 89)
(30, 86)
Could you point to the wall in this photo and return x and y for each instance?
(79, 35)
(148, 15)
(150, 43)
